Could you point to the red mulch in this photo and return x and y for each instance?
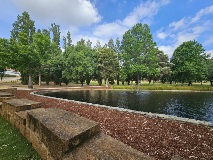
(159, 138)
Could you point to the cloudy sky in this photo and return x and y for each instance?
(171, 21)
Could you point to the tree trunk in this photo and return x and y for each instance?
(211, 82)
(39, 79)
(122, 82)
(30, 83)
(118, 79)
(107, 82)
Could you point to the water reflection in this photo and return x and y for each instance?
(194, 105)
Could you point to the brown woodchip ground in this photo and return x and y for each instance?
(156, 137)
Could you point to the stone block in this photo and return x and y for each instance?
(105, 147)
(60, 130)
(38, 145)
(16, 105)
(6, 98)
(11, 106)
(9, 90)
(0, 108)
(20, 123)
(5, 94)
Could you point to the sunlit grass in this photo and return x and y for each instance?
(160, 86)
(13, 146)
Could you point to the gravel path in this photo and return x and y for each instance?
(159, 138)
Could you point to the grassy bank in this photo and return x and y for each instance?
(13, 145)
(195, 87)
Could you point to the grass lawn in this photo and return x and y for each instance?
(13, 146)
(160, 86)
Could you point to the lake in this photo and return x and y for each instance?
(194, 105)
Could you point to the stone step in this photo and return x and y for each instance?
(20, 122)
(16, 105)
(105, 147)
(5, 96)
(9, 90)
(9, 107)
(0, 108)
(59, 130)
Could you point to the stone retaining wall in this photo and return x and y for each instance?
(57, 134)
(148, 114)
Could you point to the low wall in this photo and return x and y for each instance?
(57, 134)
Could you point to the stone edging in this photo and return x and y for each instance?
(149, 114)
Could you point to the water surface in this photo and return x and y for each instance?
(194, 105)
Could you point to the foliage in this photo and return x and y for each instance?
(107, 63)
(4, 56)
(139, 54)
(13, 145)
(210, 70)
(38, 56)
(189, 62)
(24, 57)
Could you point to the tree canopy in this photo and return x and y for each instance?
(189, 61)
(40, 56)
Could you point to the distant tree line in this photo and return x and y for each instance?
(38, 55)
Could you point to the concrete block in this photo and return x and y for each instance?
(20, 123)
(6, 98)
(9, 90)
(105, 147)
(16, 105)
(60, 130)
(5, 94)
(1, 109)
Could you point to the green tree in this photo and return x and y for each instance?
(69, 59)
(28, 60)
(42, 47)
(164, 67)
(139, 53)
(107, 63)
(210, 71)
(55, 64)
(24, 57)
(189, 61)
(4, 56)
(84, 63)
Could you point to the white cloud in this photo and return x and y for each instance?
(208, 42)
(144, 11)
(210, 52)
(68, 12)
(110, 29)
(202, 12)
(167, 49)
(161, 35)
(186, 29)
(177, 25)
(93, 39)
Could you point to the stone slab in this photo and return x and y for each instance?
(0, 108)
(6, 98)
(20, 121)
(105, 147)
(9, 90)
(60, 130)
(5, 94)
(15, 105)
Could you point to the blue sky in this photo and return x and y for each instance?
(171, 21)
